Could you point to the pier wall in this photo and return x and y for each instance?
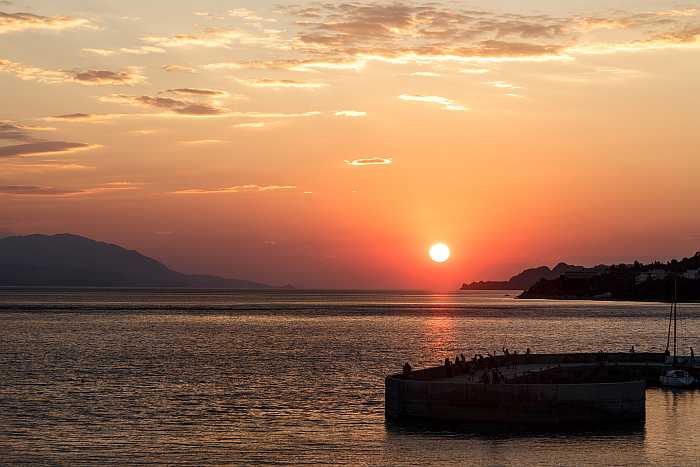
(432, 394)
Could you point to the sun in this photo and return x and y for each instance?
(439, 252)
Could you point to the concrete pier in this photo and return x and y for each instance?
(538, 389)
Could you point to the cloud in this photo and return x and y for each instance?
(83, 118)
(352, 34)
(142, 50)
(197, 142)
(300, 65)
(102, 52)
(34, 190)
(41, 167)
(88, 77)
(236, 189)
(502, 85)
(447, 104)
(179, 68)
(265, 115)
(254, 125)
(370, 161)
(198, 92)
(16, 22)
(180, 108)
(12, 131)
(218, 38)
(107, 77)
(248, 15)
(42, 148)
(426, 74)
(279, 83)
(184, 107)
(350, 113)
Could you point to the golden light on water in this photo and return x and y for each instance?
(439, 252)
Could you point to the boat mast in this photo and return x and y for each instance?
(675, 318)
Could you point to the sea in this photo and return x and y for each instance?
(127, 377)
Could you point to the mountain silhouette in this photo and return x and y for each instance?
(532, 276)
(67, 260)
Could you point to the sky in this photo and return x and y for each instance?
(329, 144)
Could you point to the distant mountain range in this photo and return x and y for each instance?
(73, 261)
(530, 277)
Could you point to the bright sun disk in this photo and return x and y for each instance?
(439, 252)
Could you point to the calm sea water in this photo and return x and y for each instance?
(126, 377)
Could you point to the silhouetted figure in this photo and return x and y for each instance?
(407, 370)
(448, 367)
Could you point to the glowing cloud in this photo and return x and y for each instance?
(237, 189)
(42, 148)
(88, 77)
(16, 22)
(279, 83)
(203, 141)
(176, 106)
(350, 113)
(179, 68)
(198, 92)
(370, 161)
(447, 104)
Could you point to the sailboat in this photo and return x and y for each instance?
(676, 377)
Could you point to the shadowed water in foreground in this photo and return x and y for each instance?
(297, 377)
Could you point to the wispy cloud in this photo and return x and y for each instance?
(31, 145)
(236, 189)
(254, 125)
(350, 113)
(13, 167)
(219, 38)
(279, 83)
(12, 131)
(447, 104)
(426, 74)
(36, 190)
(183, 107)
(370, 161)
(198, 92)
(83, 118)
(173, 68)
(16, 22)
(126, 77)
(107, 77)
(198, 142)
(42, 148)
(503, 85)
(141, 50)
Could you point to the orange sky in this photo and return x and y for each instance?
(329, 145)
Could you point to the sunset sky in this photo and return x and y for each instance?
(329, 144)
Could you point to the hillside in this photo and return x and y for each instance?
(530, 277)
(655, 281)
(73, 261)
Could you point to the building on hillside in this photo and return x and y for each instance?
(652, 275)
(693, 274)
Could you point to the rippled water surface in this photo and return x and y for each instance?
(297, 377)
